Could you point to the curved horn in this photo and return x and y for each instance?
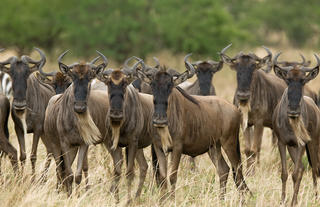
(212, 62)
(39, 63)
(125, 64)
(268, 51)
(61, 56)
(197, 63)
(7, 61)
(42, 61)
(156, 60)
(303, 60)
(225, 49)
(275, 63)
(95, 60)
(107, 72)
(105, 60)
(306, 69)
(43, 57)
(189, 66)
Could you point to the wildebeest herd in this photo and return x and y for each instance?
(138, 106)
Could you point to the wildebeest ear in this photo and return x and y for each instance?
(311, 75)
(142, 76)
(280, 73)
(104, 76)
(181, 78)
(63, 68)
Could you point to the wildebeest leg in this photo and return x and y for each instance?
(7, 148)
(85, 171)
(232, 149)
(33, 156)
(18, 127)
(296, 155)
(284, 172)
(66, 149)
(57, 154)
(175, 160)
(44, 173)
(256, 145)
(132, 151)
(143, 166)
(221, 166)
(83, 150)
(248, 136)
(117, 164)
(162, 167)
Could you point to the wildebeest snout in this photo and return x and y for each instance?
(293, 113)
(243, 96)
(19, 105)
(116, 115)
(80, 106)
(160, 120)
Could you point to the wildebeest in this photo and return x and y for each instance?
(194, 125)
(205, 71)
(296, 122)
(129, 122)
(31, 94)
(257, 95)
(203, 86)
(5, 146)
(23, 84)
(72, 120)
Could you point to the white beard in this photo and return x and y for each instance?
(88, 129)
(166, 139)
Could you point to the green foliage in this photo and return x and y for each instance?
(202, 27)
(137, 27)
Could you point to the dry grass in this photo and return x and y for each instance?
(200, 188)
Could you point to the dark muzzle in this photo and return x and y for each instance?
(243, 96)
(160, 121)
(116, 115)
(80, 107)
(293, 113)
(19, 105)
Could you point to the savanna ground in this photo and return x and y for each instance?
(199, 188)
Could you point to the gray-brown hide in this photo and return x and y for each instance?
(296, 122)
(197, 124)
(129, 123)
(5, 146)
(257, 95)
(75, 119)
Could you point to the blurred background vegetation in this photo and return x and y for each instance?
(123, 28)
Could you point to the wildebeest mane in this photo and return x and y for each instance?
(187, 96)
(38, 92)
